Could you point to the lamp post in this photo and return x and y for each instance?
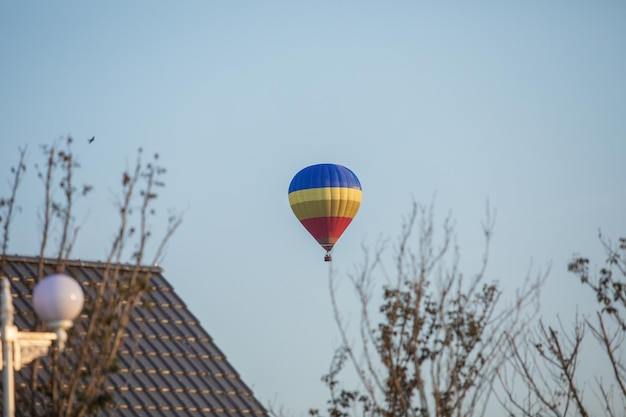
(58, 300)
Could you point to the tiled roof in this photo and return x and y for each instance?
(172, 367)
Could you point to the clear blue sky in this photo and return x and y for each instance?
(522, 104)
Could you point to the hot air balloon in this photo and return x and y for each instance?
(325, 198)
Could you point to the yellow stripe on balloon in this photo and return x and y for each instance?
(324, 193)
(325, 202)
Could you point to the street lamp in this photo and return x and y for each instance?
(58, 300)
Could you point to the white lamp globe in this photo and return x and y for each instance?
(58, 299)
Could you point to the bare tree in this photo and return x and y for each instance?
(546, 362)
(76, 385)
(434, 345)
(9, 203)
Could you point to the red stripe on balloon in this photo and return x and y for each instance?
(326, 230)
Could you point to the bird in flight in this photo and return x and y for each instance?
(92, 139)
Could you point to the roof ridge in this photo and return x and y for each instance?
(82, 263)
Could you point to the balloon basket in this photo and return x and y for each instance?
(328, 258)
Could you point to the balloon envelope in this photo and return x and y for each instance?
(325, 198)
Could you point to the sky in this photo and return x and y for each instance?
(519, 105)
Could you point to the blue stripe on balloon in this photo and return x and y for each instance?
(324, 175)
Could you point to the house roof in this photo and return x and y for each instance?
(172, 367)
